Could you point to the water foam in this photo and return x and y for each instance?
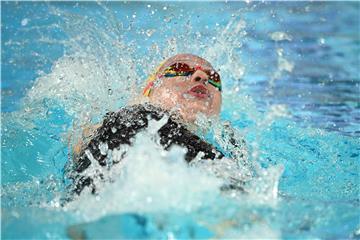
(149, 179)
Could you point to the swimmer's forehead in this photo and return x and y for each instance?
(192, 61)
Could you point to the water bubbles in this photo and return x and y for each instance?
(188, 96)
(109, 160)
(158, 83)
(149, 199)
(55, 204)
(265, 186)
(150, 32)
(15, 214)
(275, 111)
(40, 160)
(154, 126)
(24, 22)
(155, 185)
(103, 146)
(40, 72)
(285, 65)
(170, 236)
(118, 154)
(321, 41)
(168, 19)
(280, 36)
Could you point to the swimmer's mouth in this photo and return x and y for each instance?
(199, 91)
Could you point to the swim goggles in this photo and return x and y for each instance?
(183, 69)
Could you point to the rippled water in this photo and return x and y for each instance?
(291, 90)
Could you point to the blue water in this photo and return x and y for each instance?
(291, 89)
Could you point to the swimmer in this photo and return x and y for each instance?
(182, 87)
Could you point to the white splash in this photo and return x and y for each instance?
(24, 22)
(81, 85)
(283, 65)
(149, 179)
(280, 36)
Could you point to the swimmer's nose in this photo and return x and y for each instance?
(199, 76)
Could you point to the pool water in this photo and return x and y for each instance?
(291, 90)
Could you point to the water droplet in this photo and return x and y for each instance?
(188, 96)
(24, 22)
(150, 32)
(280, 36)
(168, 19)
(103, 147)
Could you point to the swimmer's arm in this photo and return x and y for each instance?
(87, 132)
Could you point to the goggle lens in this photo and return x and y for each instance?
(183, 69)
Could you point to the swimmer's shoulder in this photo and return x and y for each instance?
(120, 126)
(136, 111)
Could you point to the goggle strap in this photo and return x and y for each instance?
(148, 88)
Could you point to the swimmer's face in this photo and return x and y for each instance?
(195, 91)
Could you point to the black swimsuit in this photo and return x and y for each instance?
(120, 127)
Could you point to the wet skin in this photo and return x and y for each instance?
(189, 95)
